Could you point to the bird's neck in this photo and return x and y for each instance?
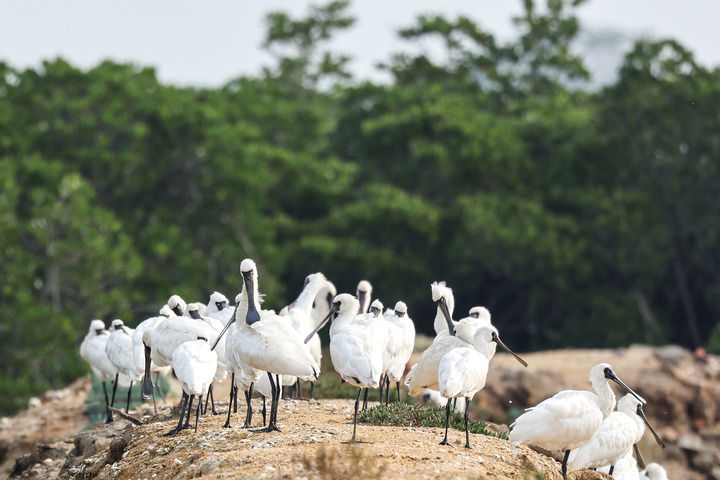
(606, 398)
(306, 298)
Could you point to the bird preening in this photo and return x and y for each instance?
(370, 347)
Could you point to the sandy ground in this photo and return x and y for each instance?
(313, 444)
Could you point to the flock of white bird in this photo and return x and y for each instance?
(369, 347)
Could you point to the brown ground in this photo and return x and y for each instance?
(680, 391)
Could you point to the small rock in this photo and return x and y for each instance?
(480, 459)
(211, 464)
(269, 468)
(34, 402)
(464, 457)
(47, 461)
(690, 441)
(177, 461)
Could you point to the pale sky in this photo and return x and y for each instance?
(207, 43)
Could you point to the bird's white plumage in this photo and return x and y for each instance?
(137, 342)
(355, 348)
(400, 341)
(271, 344)
(92, 350)
(364, 292)
(299, 314)
(654, 471)
(424, 374)
(441, 290)
(323, 302)
(569, 418)
(615, 436)
(119, 350)
(169, 333)
(625, 468)
(213, 310)
(194, 365)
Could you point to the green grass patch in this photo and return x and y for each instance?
(406, 415)
(95, 405)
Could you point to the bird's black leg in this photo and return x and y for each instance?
(299, 389)
(264, 411)
(467, 413)
(364, 407)
(382, 389)
(273, 406)
(398, 389)
(248, 398)
(127, 405)
(387, 390)
(112, 400)
(109, 418)
(232, 391)
(189, 410)
(197, 412)
(207, 399)
(158, 386)
(357, 402)
(454, 405)
(312, 390)
(564, 464)
(612, 469)
(179, 427)
(212, 401)
(235, 395)
(447, 421)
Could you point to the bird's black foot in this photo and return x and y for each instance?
(245, 425)
(227, 425)
(354, 441)
(172, 432)
(445, 442)
(269, 428)
(467, 445)
(215, 412)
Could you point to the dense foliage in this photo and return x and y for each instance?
(579, 218)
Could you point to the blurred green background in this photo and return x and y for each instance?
(579, 217)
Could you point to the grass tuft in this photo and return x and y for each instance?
(406, 415)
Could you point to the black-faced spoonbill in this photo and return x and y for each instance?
(92, 349)
(300, 315)
(267, 342)
(221, 372)
(139, 347)
(401, 341)
(119, 350)
(364, 294)
(570, 418)
(194, 364)
(616, 435)
(462, 372)
(356, 353)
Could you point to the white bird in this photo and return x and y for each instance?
(119, 350)
(462, 372)
(400, 345)
(194, 364)
(356, 353)
(424, 374)
(441, 290)
(434, 399)
(219, 307)
(266, 341)
(139, 347)
(364, 293)
(167, 335)
(481, 314)
(654, 471)
(92, 350)
(323, 302)
(570, 418)
(221, 371)
(300, 315)
(616, 435)
(195, 306)
(625, 468)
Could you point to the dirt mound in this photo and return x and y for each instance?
(682, 391)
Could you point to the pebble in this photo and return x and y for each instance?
(177, 461)
(269, 468)
(47, 461)
(211, 464)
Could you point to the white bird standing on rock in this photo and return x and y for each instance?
(356, 353)
(462, 372)
(616, 435)
(92, 349)
(570, 418)
(166, 336)
(267, 342)
(222, 369)
(194, 364)
(119, 350)
(300, 315)
(139, 347)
